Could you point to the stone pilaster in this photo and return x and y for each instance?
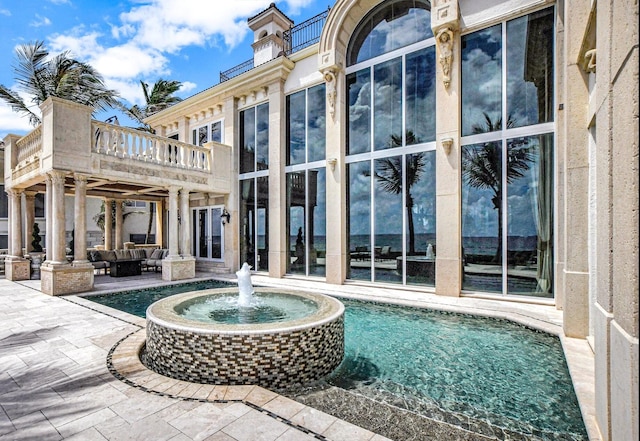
(336, 257)
(445, 22)
(278, 253)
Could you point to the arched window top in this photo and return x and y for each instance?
(262, 35)
(391, 25)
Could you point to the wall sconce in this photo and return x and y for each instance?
(225, 216)
(332, 163)
(446, 145)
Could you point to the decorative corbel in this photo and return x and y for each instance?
(444, 41)
(447, 143)
(331, 80)
(590, 58)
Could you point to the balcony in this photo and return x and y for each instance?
(119, 162)
(295, 39)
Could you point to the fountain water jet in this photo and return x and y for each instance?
(245, 287)
(190, 336)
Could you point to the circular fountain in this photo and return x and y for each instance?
(270, 337)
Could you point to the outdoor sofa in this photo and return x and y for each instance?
(149, 257)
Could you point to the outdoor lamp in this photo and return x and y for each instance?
(225, 216)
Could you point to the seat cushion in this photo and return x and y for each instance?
(108, 255)
(123, 254)
(138, 254)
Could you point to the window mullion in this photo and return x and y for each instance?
(505, 157)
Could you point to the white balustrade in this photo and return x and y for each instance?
(30, 145)
(124, 142)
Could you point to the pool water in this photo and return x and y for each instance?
(483, 369)
(224, 309)
(136, 301)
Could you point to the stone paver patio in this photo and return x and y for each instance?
(69, 370)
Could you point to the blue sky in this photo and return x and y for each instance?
(190, 41)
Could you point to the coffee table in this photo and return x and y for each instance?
(125, 268)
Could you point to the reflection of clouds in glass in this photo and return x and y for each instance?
(359, 198)
(479, 217)
(359, 119)
(481, 78)
(391, 28)
(387, 102)
(320, 210)
(521, 216)
(483, 92)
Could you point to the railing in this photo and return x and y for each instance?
(305, 34)
(123, 142)
(236, 70)
(296, 38)
(30, 145)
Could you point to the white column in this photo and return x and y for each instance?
(159, 222)
(80, 219)
(107, 224)
(48, 223)
(15, 196)
(185, 226)
(173, 223)
(29, 217)
(58, 244)
(118, 238)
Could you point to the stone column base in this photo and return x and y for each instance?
(17, 268)
(56, 280)
(178, 269)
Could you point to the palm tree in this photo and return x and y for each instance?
(389, 176)
(161, 97)
(40, 76)
(482, 167)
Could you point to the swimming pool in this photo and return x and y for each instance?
(466, 370)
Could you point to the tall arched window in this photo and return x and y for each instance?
(391, 145)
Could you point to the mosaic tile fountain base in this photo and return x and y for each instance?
(273, 360)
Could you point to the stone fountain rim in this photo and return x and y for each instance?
(162, 312)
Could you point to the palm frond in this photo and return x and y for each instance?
(17, 105)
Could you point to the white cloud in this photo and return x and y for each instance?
(80, 45)
(5, 12)
(12, 122)
(168, 25)
(128, 61)
(148, 32)
(61, 2)
(40, 21)
(187, 86)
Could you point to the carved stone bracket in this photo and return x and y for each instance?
(590, 60)
(444, 40)
(331, 80)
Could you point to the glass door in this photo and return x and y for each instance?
(208, 240)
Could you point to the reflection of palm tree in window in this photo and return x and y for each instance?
(389, 175)
(482, 168)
